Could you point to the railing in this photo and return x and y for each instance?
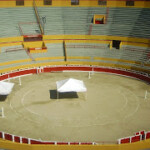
(38, 17)
(14, 49)
(65, 50)
(20, 24)
(84, 46)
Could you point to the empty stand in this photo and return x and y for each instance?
(127, 22)
(92, 52)
(127, 55)
(65, 20)
(11, 17)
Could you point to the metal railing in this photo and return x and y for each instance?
(38, 17)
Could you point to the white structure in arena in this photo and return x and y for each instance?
(70, 85)
(6, 87)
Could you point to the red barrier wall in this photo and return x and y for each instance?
(8, 136)
(86, 143)
(1, 135)
(62, 143)
(3, 77)
(136, 138)
(49, 143)
(139, 75)
(125, 140)
(25, 140)
(74, 143)
(22, 72)
(17, 139)
(147, 135)
(35, 142)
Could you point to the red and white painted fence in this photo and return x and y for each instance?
(141, 135)
(25, 140)
(123, 72)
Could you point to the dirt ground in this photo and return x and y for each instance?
(113, 107)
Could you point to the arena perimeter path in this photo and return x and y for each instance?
(113, 107)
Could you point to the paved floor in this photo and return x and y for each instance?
(113, 107)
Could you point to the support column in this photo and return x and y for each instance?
(57, 95)
(145, 94)
(19, 80)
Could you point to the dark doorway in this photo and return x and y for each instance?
(116, 44)
(99, 21)
(129, 3)
(33, 38)
(74, 2)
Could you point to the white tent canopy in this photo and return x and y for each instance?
(70, 85)
(5, 88)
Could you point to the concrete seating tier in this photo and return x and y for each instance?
(127, 22)
(11, 17)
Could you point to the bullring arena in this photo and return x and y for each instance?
(83, 118)
(103, 43)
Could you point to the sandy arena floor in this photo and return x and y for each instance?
(113, 107)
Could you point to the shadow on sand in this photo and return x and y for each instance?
(70, 95)
(3, 98)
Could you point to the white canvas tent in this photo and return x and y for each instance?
(5, 88)
(70, 85)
